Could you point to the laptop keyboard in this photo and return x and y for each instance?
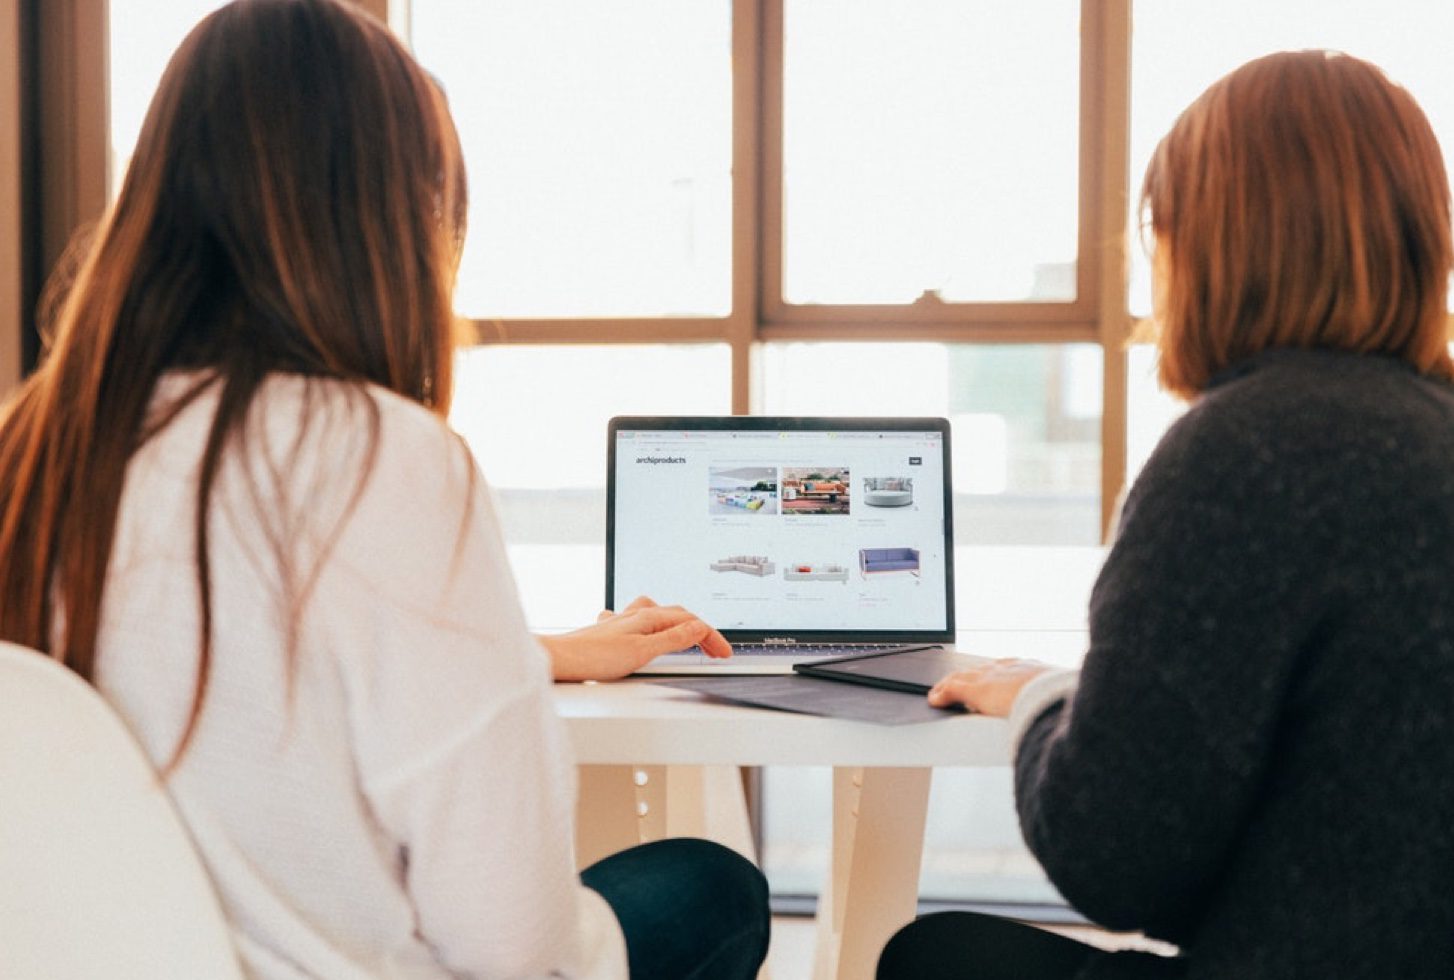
(805, 649)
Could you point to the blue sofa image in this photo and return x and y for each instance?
(888, 560)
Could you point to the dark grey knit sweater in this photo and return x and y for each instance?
(1258, 764)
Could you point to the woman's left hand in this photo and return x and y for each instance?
(620, 642)
(988, 689)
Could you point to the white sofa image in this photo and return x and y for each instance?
(751, 564)
(815, 573)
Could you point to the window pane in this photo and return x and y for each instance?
(598, 139)
(930, 146)
(144, 33)
(1025, 417)
(535, 418)
(1182, 46)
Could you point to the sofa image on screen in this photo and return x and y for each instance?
(751, 564)
(738, 489)
(819, 572)
(810, 490)
(827, 489)
(872, 560)
(747, 501)
(888, 491)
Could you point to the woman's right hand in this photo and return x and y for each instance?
(621, 642)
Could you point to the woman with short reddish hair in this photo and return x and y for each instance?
(1256, 761)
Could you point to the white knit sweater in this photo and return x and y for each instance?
(398, 802)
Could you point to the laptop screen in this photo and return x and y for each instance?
(809, 528)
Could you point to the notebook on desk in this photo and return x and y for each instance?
(799, 538)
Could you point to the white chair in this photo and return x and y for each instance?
(98, 877)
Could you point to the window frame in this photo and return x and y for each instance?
(55, 144)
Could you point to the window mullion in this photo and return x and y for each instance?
(748, 84)
(1105, 109)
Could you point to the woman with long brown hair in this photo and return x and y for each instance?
(228, 498)
(1256, 761)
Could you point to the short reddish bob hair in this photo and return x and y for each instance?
(1303, 203)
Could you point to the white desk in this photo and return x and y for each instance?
(687, 750)
(1011, 601)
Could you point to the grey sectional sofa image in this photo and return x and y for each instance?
(751, 564)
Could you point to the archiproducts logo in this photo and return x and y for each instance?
(654, 460)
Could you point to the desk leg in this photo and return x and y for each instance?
(622, 806)
(694, 801)
(606, 813)
(872, 887)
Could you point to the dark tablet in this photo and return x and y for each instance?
(913, 670)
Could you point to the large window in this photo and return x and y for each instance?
(782, 178)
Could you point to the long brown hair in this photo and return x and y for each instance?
(295, 204)
(1303, 203)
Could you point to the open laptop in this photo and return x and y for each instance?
(798, 538)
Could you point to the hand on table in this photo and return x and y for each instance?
(988, 689)
(620, 642)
